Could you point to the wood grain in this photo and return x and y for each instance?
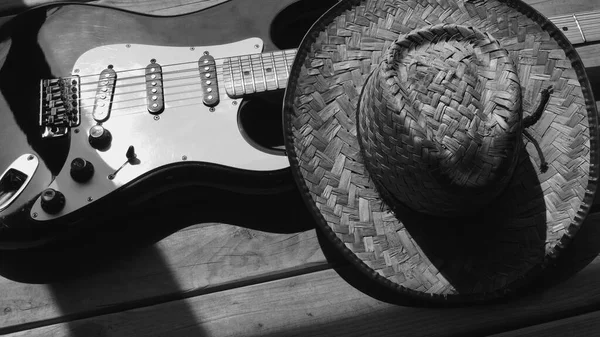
(199, 259)
(582, 325)
(323, 304)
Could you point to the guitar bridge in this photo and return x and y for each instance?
(59, 108)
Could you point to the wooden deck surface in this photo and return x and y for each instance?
(214, 279)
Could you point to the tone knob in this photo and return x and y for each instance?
(52, 201)
(81, 170)
(100, 137)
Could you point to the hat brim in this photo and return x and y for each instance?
(480, 256)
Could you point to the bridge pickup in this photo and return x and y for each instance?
(104, 94)
(208, 80)
(59, 108)
(155, 98)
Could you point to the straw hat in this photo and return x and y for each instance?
(448, 148)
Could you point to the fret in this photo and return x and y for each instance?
(247, 81)
(231, 76)
(590, 25)
(287, 69)
(242, 75)
(274, 70)
(579, 27)
(247, 74)
(252, 72)
(262, 67)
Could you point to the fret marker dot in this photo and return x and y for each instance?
(153, 76)
(153, 84)
(152, 69)
(269, 70)
(208, 82)
(209, 97)
(209, 89)
(155, 105)
(154, 98)
(154, 90)
(207, 75)
(207, 68)
(205, 61)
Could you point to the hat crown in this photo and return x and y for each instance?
(439, 120)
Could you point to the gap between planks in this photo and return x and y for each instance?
(323, 304)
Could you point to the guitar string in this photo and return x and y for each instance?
(238, 75)
(265, 85)
(281, 53)
(260, 83)
(279, 57)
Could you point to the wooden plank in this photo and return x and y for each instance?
(199, 259)
(324, 304)
(582, 325)
(315, 304)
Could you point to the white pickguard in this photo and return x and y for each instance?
(185, 131)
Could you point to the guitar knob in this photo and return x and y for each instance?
(100, 137)
(81, 170)
(52, 201)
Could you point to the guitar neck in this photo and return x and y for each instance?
(248, 74)
(579, 27)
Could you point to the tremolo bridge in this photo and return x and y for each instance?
(59, 108)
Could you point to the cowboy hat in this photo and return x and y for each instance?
(448, 148)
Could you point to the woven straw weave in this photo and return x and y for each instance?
(440, 120)
(478, 256)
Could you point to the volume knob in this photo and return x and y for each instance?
(81, 170)
(100, 137)
(52, 201)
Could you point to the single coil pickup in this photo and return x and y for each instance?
(59, 110)
(155, 98)
(104, 94)
(208, 80)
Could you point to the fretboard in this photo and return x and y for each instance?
(247, 74)
(579, 27)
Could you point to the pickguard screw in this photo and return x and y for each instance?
(183, 157)
(211, 109)
(76, 71)
(128, 45)
(256, 46)
(90, 199)
(30, 157)
(156, 118)
(234, 102)
(192, 48)
(111, 176)
(153, 61)
(34, 214)
(76, 130)
(206, 53)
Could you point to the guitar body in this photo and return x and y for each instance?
(150, 155)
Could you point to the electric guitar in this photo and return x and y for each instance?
(101, 109)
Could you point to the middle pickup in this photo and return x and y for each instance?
(155, 98)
